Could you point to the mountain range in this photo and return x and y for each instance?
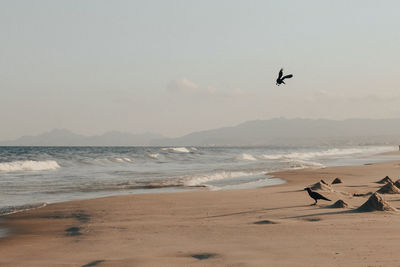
(296, 132)
(279, 132)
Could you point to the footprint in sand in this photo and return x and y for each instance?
(203, 256)
(313, 219)
(81, 216)
(265, 222)
(73, 231)
(93, 263)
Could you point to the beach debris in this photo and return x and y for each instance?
(389, 188)
(321, 186)
(337, 181)
(322, 181)
(362, 194)
(315, 195)
(375, 203)
(338, 204)
(397, 183)
(385, 180)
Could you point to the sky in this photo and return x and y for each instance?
(174, 67)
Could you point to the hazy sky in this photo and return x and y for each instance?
(174, 67)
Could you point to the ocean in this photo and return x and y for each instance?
(33, 176)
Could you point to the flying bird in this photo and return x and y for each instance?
(315, 195)
(280, 78)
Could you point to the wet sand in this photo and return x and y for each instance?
(271, 226)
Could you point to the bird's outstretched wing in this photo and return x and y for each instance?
(280, 74)
(287, 76)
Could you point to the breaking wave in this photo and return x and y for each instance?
(245, 156)
(153, 155)
(199, 180)
(28, 165)
(301, 164)
(121, 160)
(176, 149)
(309, 155)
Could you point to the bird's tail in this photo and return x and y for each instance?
(324, 198)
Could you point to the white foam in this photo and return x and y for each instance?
(101, 160)
(325, 153)
(153, 156)
(301, 164)
(201, 179)
(29, 165)
(272, 156)
(245, 156)
(177, 149)
(14, 209)
(121, 160)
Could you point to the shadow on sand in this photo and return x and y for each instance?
(351, 211)
(252, 211)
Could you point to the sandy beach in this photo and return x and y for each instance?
(199, 133)
(271, 226)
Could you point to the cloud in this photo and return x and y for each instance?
(186, 87)
(183, 85)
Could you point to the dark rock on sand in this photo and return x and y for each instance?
(337, 181)
(338, 204)
(385, 180)
(397, 184)
(376, 203)
(389, 188)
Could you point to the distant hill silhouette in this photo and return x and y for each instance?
(279, 132)
(295, 132)
(63, 137)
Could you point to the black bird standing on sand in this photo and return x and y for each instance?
(315, 195)
(280, 78)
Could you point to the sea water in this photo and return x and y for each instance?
(33, 176)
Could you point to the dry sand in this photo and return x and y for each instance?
(272, 226)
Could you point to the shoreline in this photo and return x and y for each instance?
(151, 187)
(84, 173)
(273, 225)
